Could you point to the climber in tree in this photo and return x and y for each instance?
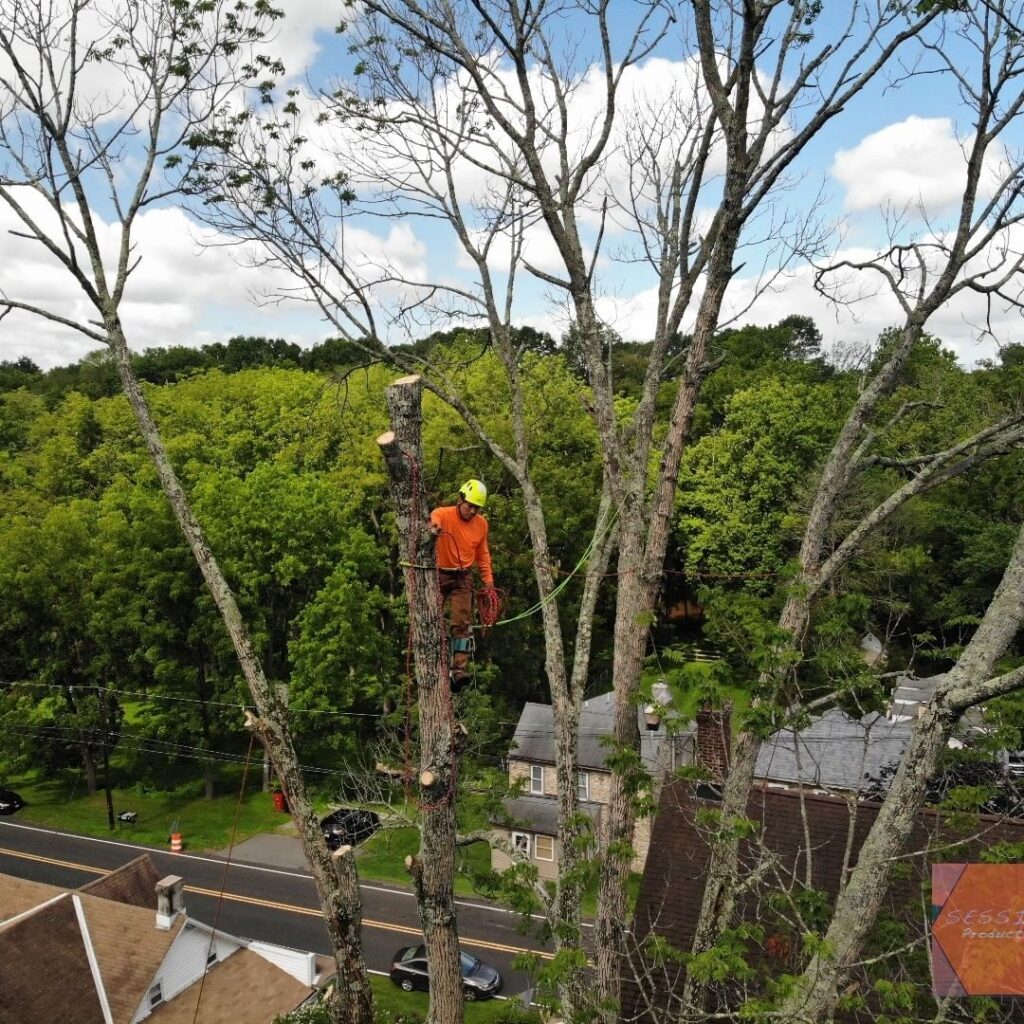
(461, 533)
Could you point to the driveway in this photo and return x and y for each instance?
(277, 849)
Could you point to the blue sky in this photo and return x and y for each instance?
(896, 145)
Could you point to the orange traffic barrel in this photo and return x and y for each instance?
(176, 843)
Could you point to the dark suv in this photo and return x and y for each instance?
(348, 826)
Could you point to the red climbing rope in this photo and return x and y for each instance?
(489, 605)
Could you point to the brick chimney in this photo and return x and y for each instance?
(170, 901)
(714, 740)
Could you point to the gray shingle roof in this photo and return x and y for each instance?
(534, 738)
(910, 693)
(540, 813)
(834, 751)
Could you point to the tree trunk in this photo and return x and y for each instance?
(272, 727)
(722, 871)
(105, 749)
(642, 548)
(817, 990)
(208, 780)
(433, 870)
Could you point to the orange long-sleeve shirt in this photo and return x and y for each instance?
(462, 544)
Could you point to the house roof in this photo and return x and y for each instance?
(534, 738)
(35, 951)
(17, 895)
(243, 989)
(133, 883)
(59, 936)
(129, 949)
(47, 935)
(540, 813)
(913, 691)
(812, 835)
(834, 751)
(813, 839)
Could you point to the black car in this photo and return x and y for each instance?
(10, 801)
(479, 980)
(348, 826)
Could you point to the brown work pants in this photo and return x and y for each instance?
(457, 590)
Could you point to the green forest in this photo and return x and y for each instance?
(109, 641)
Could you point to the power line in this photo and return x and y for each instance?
(145, 745)
(145, 694)
(152, 745)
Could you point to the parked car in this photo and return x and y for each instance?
(348, 826)
(10, 801)
(479, 980)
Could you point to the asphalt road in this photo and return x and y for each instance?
(264, 903)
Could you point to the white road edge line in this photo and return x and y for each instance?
(255, 867)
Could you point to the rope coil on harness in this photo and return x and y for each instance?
(489, 604)
(555, 591)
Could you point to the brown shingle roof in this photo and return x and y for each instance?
(19, 894)
(133, 883)
(243, 989)
(46, 974)
(46, 950)
(129, 949)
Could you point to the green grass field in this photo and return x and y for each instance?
(204, 824)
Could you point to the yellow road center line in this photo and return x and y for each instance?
(289, 908)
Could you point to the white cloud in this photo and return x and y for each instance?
(186, 289)
(917, 162)
(294, 37)
(959, 324)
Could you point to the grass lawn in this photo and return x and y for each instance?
(382, 857)
(389, 998)
(204, 824)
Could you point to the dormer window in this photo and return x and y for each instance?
(537, 779)
(156, 995)
(583, 785)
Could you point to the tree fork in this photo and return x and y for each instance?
(433, 869)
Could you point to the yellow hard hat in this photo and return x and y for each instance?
(474, 492)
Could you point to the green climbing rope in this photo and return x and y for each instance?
(584, 558)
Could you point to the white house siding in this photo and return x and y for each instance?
(300, 965)
(185, 964)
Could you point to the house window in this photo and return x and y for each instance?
(537, 779)
(521, 843)
(156, 995)
(583, 785)
(543, 848)
(211, 955)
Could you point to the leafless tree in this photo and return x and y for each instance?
(924, 271)
(469, 116)
(94, 97)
